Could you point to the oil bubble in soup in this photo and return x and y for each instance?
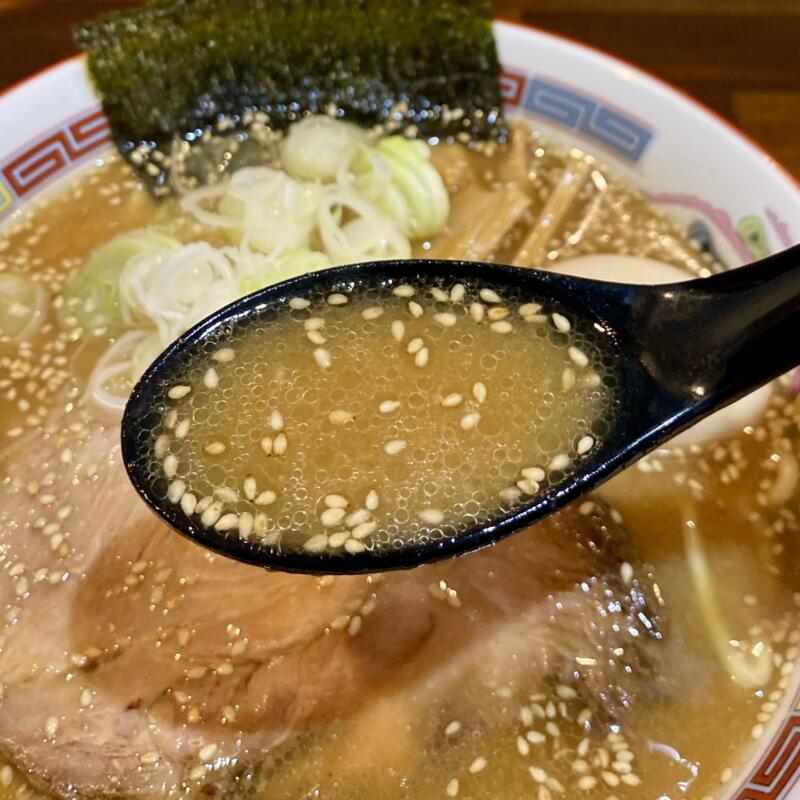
(639, 644)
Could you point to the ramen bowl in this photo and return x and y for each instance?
(734, 201)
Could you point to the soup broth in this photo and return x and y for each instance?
(376, 419)
(637, 645)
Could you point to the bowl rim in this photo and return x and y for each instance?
(525, 27)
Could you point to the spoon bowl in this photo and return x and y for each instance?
(682, 351)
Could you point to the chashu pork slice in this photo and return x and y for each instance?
(134, 662)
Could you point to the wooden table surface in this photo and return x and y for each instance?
(741, 57)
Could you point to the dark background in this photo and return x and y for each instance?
(741, 57)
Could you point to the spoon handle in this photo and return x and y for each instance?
(712, 341)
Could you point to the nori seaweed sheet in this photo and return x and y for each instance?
(173, 69)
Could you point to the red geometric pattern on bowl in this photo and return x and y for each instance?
(512, 86)
(37, 163)
(779, 768)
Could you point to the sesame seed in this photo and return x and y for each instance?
(372, 500)
(554, 785)
(538, 774)
(170, 466)
(404, 290)
(528, 487)
(478, 765)
(568, 380)
(276, 420)
(480, 392)
(210, 516)
(439, 294)
(340, 417)
(609, 778)
(578, 357)
(246, 520)
(357, 517)
(182, 428)
(526, 716)
(314, 324)
(373, 312)
(561, 322)
(452, 728)
(226, 494)
(431, 516)
(452, 788)
(208, 752)
(211, 379)
(188, 504)
(552, 729)
(250, 487)
(415, 309)
(355, 626)
(178, 392)
(338, 299)
(631, 780)
(470, 421)
(335, 501)
(398, 330)
(421, 358)
(175, 491)
(586, 782)
(364, 529)
(497, 313)
(315, 337)
(457, 293)
(585, 444)
(215, 448)
(280, 444)
(395, 446)
(476, 311)
(523, 748)
(316, 543)
(171, 418)
(445, 319)
(489, 296)
(161, 446)
(227, 522)
(528, 309)
(332, 516)
(559, 462)
(535, 474)
(353, 546)
(535, 737)
(266, 445)
(502, 327)
(224, 355)
(509, 494)
(322, 357)
(336, 540)
(7, 776)
(452, 400)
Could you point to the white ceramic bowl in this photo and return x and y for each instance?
(730, 194)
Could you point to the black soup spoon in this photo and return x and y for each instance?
(683, 351)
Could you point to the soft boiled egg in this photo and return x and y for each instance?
(640, 270)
